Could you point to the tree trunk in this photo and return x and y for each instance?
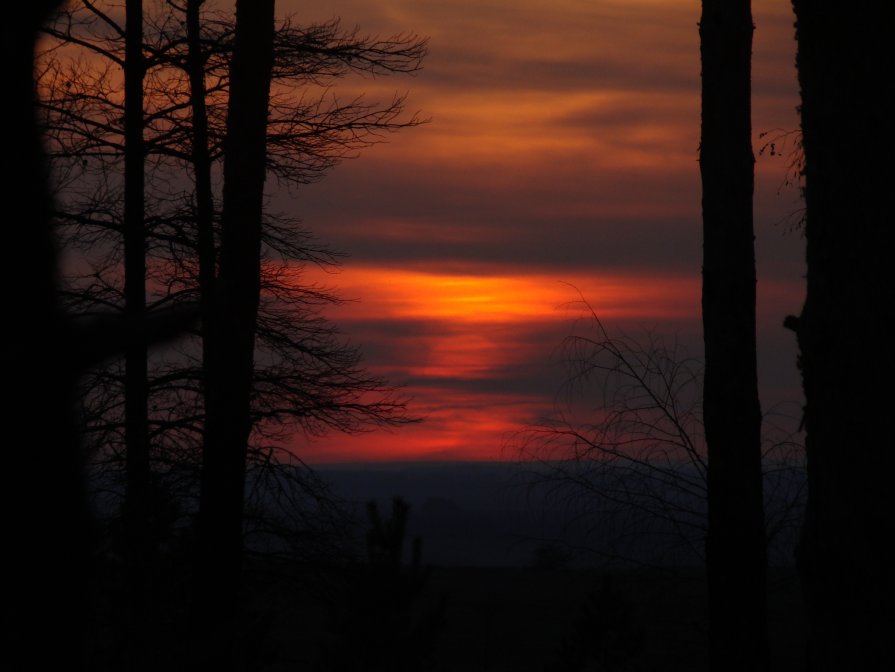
(735, 547)
(847, 359)
(228, 418)
(47, 563)
(136, 386)
(201, 164)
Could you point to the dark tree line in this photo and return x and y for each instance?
(199, 108)
(845, 358)
(304, 375)
(49, 573)
(681, 471)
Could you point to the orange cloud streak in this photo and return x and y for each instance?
(507, 298)
(455, 425)
(463, 330)
(556, 131)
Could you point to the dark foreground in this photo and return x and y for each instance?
(465, 620)
(496, 619)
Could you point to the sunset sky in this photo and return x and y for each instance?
(561, 157)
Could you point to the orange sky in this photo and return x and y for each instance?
(560, 158)
(475, 349)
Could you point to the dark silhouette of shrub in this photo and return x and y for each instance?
(386, 620)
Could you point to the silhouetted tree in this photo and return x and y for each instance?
(228, 420)
(43, 496)
(303, 362)
(847, 360)
(386, 621)
(624, 448)
(787, 144)
(46, 610)
(304, 377)
(735, 546)
(625, 452)
(136, 377)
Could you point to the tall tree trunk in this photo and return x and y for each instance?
(735, 547)
(228, 418)
(45, 611)
(136, 386)
(847, 359)
(202, 171)
(205, 243)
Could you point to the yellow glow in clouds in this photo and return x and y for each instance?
(417, 295)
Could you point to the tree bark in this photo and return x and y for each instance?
(136, 384)
(735, 546)
(228, 422)
(847, 359)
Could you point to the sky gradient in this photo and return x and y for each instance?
(560, 162)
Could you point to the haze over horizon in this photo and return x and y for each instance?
(560, 163)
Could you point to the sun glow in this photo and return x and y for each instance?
(476, 349)
(508, 298)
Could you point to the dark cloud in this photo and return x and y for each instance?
(493, 72)
(652, 246)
